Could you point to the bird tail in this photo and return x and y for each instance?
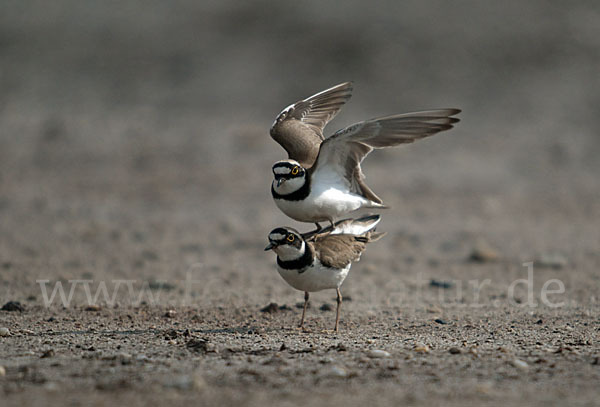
(375, 236)
(357, 227)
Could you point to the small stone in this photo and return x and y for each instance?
(4, 332)
(440, 321)
(197, 345)
(185, 382)
(337, 371)
(171, 334)
(551, 260)
(141, 358)
(326, 307)
(483, 253)
(51, 386)
(596, 361)
(454, 351)
(170, 313)
(421, 348)
(520, 364)
(161, 285)
(378, 354)
(300, 305)
(434, 309)
(2, 371)
(440, 284)
(484, 388)
(340, 347)
(13, 306)
(47, 354)
(93, 308)
(271, 308)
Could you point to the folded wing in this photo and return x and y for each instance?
(339, 250)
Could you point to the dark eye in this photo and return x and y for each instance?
(290, 238)
(295, 170)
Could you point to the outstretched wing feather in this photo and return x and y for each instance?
(299, 127)
(343, 152)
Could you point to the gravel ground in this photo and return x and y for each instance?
(134, 173)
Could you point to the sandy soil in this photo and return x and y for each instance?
(134, 156)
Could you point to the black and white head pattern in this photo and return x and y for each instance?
(287, 243)
(289, 176)
(288, 169)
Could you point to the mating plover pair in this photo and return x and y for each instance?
(322, 181)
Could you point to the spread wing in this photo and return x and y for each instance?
(342, 153)
(339, 250)
(299, 127)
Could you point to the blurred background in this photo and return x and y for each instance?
(134, 134)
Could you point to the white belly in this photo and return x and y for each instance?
(315, 278)
(323, 203)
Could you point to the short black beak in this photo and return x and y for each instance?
(270, 246)
(280, 181)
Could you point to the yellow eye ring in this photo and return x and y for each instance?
(295, 171)
(290, 238)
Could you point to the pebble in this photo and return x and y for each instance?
(370, 314)
(51, 386)
(2, 371)
(326, 307)
(484, 388)
(170, 313)
(483, 253)
(141, 358)
(340, 347)
(421, 348)
(440, 284)
(4, 331)
(197, 345)
(271, 308)
(93, 308)
(434, 309)
(440, 321)
(378, 354)
(337, 371)
(454, 351)
(13, 306)
(520, 364)
(551, 260)
(185, 382)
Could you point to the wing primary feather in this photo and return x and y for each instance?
(299, 127)
(343, 152)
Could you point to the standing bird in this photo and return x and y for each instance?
(324, 262)
(322, 179)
